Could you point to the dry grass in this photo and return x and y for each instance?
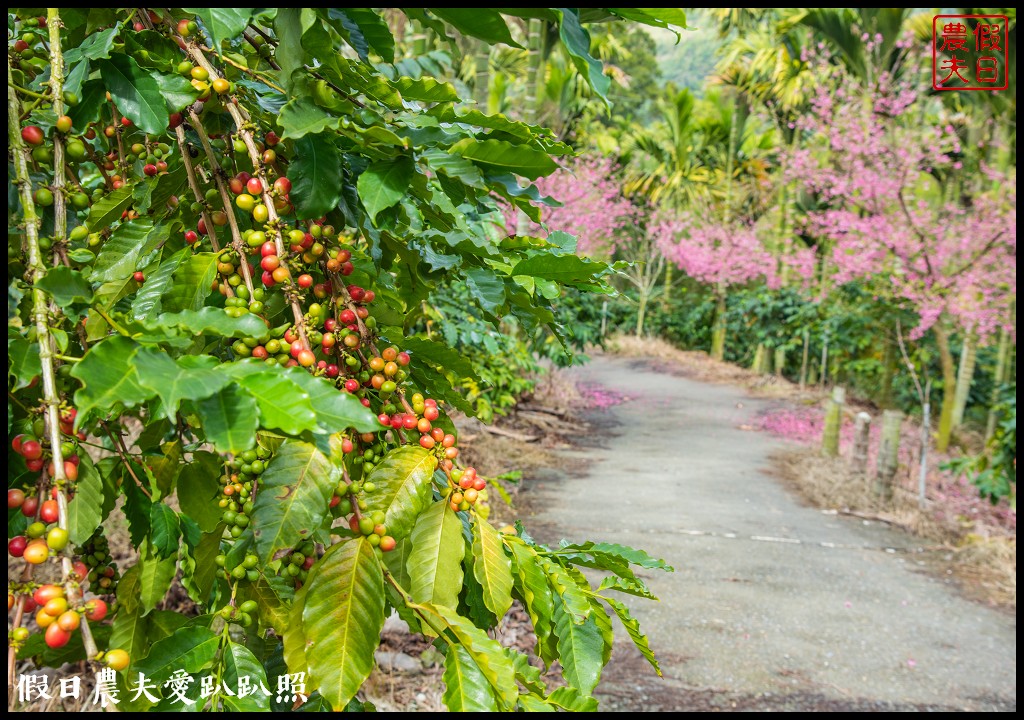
(986, 566)
(698, 365)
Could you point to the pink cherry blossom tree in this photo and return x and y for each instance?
(897, 210)
(717, 254)
(605, 222)
(593, 207)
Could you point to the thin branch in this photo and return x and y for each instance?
(225, 196)
(910, 366)
(122, 450)
(190, 172)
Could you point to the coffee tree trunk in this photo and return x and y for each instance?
(964, 378)
(999, 377)
(833, 422)
(861, 441)
(805, 358)
(948, 387)
(888, 454)
(779, 361)
(718, 329)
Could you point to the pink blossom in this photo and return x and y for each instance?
(593, 206)
(712, 252)
(870, 170)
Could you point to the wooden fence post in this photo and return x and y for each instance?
(888, 454)
(833, 422)
(861, 439)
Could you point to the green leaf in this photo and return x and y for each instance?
(295, 490)
(190, 649)
(85, 510)
(198, 565)
(135, 508)
(110, 207)
(342, 617)
(65, 286)
(656, 17)
(135, 92)
(94, 47)
(403, 480)
(372, 27)
(501, 156)
(147, 299)
(566, 269)
(198, 488)
(576, 41)
(128, 591)
(335, 409)
(384, 183)
(580, 649)
(531, 584)
(623, 552)
(163, 624)
(291, 51)
(483, 23)
(283, 404)
(178, 93)
(212, 321)
(492, 568)
(108, 377)
(166, 532)
(485, 286)
(439, 355)
(301, 116)
(191, 284)
(121, 253)
(425, 89)
(293, 637)
(23, 360)
(316, 172)
(81, 255)
(91, 105)
(229, 419)
(488, 654)
(576, 602)
(239, 662)
(172, 382)
(435, 564)
(273, 595)
(632, 586)
(155, 578)
(533, 703)
(466, 687)
(130, 633)
(632, 626)
(223, 23)
(455, 167)
(570, 700)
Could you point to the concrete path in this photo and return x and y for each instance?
(773, 605)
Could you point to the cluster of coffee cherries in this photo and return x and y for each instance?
(35, 450)
(24, 47)
(42, 536)
(372, 527)
(239, 480)
(55, 616)
(103, 573)
(470, 484)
